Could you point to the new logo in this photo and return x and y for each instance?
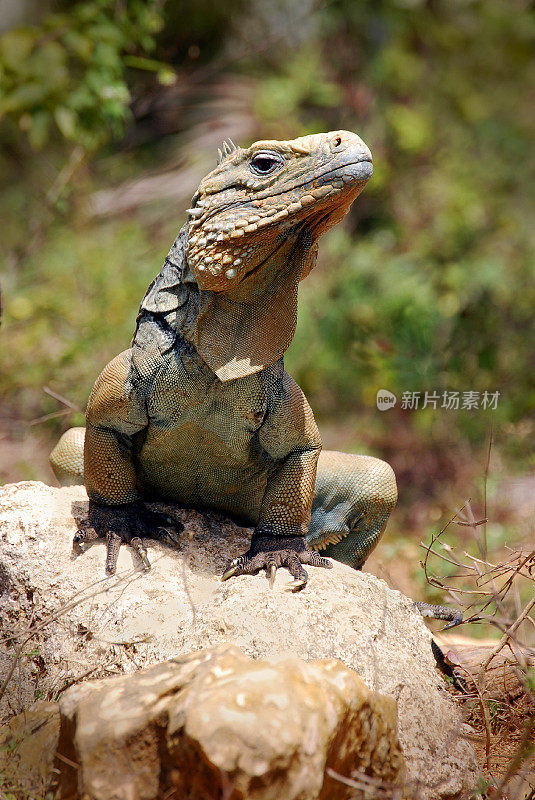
(385, 400)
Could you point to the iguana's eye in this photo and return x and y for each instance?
(264, 163)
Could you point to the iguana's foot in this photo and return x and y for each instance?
(272, 552)
(126, 523)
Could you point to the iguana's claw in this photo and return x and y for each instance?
(295, 586)
(170, 537)
(455, 621)
(141, 550)
(83, 536)
(231, 570)
(113, 544)
(272, 552)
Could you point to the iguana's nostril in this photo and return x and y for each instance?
(335, 144)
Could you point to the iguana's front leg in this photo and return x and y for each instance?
(115, 413)
(290, 439)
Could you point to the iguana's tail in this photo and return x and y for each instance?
(67, 457)
(439, 612)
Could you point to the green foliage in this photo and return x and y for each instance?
(67, 75)
(384, 319)
(73, 309)
(301, 82)
(429, 284)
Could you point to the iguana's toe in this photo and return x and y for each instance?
(84, 536)
(168, 536)
(231, 570)
(296, 586)
(272, 573)
(113, 544)
(141, 550)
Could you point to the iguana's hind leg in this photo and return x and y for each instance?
(354, 496)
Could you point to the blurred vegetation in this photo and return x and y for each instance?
(111, 112)
(428, 285)
(69, 71)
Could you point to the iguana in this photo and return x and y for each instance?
(200, 410)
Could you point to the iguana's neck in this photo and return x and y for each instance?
(236, 333)
(248, 328)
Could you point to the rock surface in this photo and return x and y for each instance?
(86, 625)
(215, 724)
(27, 751)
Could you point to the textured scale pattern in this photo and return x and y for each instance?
(200, 410)
(354, 496)
(67, 457)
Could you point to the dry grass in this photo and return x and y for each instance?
(499, 702)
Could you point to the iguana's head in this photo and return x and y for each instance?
(262, 210)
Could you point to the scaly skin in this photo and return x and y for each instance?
(200, 410)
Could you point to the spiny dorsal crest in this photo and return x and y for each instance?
(225, 150)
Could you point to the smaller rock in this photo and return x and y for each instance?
(217, 724)
(27, 747)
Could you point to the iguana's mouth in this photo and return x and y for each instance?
(236, 227)
(363, 170)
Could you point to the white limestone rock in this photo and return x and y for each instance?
(92, 626)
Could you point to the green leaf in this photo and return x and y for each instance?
(412, 127)
(115, 91)
(66, 121)
(167, 76)
(23, 97)
(83, 46)
(39, 131)
(15, 46)
(138, 62)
